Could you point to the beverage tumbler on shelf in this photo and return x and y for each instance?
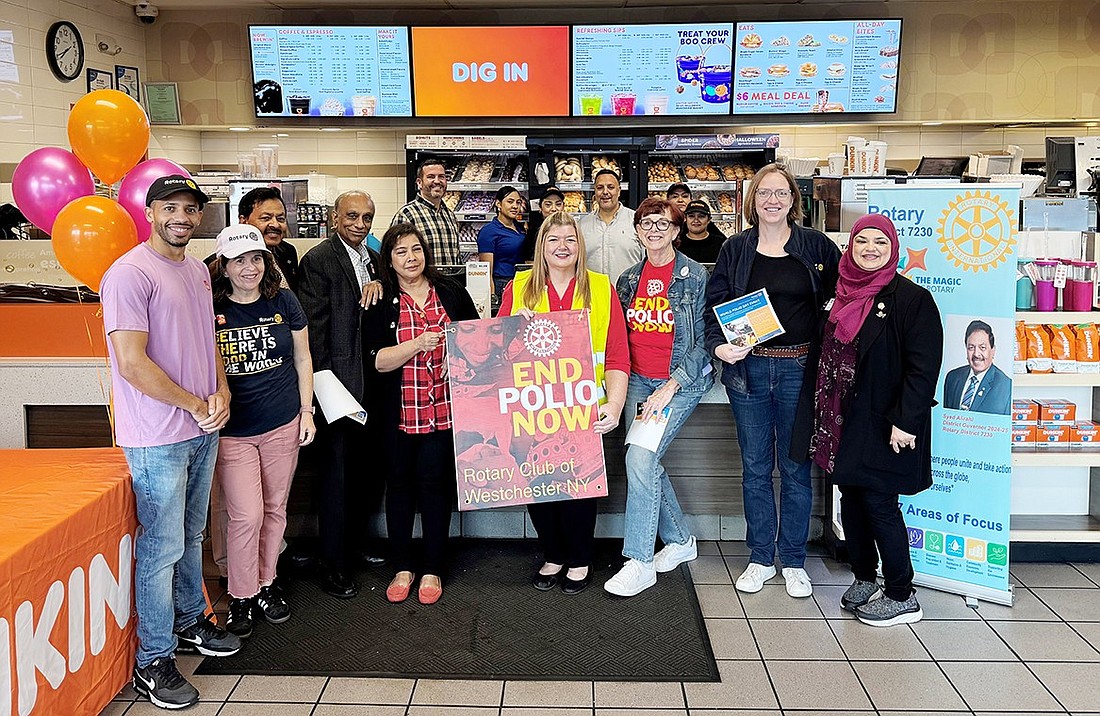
(1046, 296)
(1025, 290)
(1080, 291)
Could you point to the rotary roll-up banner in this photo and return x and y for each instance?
(960, 243)
(525, 395)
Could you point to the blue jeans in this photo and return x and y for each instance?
(172, 488)
(764, 419)
(651, 506)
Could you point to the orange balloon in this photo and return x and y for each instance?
(109, 132)
(89, 234)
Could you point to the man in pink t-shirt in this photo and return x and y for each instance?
(170, 400)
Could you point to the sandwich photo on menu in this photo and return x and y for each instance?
(749, 320)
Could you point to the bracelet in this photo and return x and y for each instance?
(311, 409)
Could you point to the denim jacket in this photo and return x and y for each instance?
(687, 296)
(730, 280)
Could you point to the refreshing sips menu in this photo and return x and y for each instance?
(808, 67)
(331, 71)
(652, 69)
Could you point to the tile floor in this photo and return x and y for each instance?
(776, 656)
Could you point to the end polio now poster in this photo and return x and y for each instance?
(960, 244)
(524, 397)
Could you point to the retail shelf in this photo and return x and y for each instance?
(1057, 316)
(1054, 528)
(1055, 380)
(701, 185)
(584, 186)
(1043, 457)
(485, 185)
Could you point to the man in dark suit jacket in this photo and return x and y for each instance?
(337, 277)
(979, 387)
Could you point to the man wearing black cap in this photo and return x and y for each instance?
(679, 195)
(170, 399)
(552, 202)
(701, 239)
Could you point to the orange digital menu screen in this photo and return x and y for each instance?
(491, 71)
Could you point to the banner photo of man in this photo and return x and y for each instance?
(960, 244)
(525, 397)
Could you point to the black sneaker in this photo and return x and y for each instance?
(271, 602)
(163, 684)
(208, 639)
(240, 618)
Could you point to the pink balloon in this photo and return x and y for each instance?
(135, 185)
(45, 181)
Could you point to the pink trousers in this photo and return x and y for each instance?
(255, 475)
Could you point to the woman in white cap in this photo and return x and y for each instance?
(260, 331)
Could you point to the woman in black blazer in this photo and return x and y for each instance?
(865, 417)
(404, 351)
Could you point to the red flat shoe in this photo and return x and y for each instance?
(397, 593)
(429, 594)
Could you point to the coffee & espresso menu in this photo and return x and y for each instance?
(809, 67)
(331, 71)
(652, 69)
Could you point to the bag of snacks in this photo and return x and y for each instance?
(1063, 348)
(1038, 349)
(1088, 348)
(1019, 361)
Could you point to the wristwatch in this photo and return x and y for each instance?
(311, 409)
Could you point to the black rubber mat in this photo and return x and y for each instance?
(490, 624)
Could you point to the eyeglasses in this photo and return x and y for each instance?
(659, 224)
(781, 194)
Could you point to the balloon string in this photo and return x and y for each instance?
(99, 369)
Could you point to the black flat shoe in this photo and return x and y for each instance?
(338, 584)
(575, 586)
(546, 582)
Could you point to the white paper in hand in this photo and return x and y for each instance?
(648, 433)
(336, 402)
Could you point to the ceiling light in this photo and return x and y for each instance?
(240, 129)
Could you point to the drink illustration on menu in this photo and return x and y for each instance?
(331, 71)
(652, 69)
(808, 67)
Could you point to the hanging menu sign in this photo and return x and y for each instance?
(807, 67)
(331, 71)
(652, 69)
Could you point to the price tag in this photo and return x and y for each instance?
(1060, 272)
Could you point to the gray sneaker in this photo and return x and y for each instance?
(886, 612)
(859, 594)
(164, 686)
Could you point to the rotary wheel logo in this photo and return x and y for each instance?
(542, 337)
(977, 231)
(654, 286)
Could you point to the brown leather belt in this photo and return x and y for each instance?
(781, 351)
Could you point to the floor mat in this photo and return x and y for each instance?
(490, 624)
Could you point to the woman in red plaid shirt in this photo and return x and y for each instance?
(404, 345)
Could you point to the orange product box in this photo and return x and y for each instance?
(1057, 410)
(1052, 435)
(1084, 434)
(1024, 410)
(1023, 435)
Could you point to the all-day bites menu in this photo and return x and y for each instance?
(652, 69)
(331, 71)
(804, 67)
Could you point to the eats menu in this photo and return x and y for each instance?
(652, 69)
(331, 71)
(805, 67)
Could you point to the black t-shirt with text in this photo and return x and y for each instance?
(257, 348)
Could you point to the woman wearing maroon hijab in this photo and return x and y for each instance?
(865, 416)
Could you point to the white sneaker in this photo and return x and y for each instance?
(753, 578)
(798, 582)
(672, 556)
(634, 578)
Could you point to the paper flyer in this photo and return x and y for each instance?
(524, 398)
(749, 320)
(647, 433)
(336, 402)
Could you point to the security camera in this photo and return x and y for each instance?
(146, 12)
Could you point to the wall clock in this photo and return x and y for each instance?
(65, 51)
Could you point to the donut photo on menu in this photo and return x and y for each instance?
(751, 41)
(779, 70)
(889, 51)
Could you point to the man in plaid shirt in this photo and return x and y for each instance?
(428, 213)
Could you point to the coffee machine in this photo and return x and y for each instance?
(1087, 165)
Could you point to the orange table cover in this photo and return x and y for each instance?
(67, 623)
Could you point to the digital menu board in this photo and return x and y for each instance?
(806, 67)
(330, 71)
(503, 71)
(652, 69)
